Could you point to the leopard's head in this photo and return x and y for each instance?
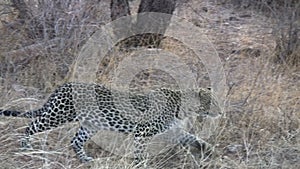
(202, 102)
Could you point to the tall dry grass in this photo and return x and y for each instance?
(260, 128)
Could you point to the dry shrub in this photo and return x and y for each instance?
(262, 129)
(286, 32)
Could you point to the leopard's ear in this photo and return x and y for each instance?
(208, 88)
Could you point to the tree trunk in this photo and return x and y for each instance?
(23, 10)
(156, 31)
(153, 40)
(162, 6)
(119, 8)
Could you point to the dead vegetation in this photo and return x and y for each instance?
(260, 128)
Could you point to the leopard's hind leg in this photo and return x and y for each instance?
(81, 137)
(38, 125)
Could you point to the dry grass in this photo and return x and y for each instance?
(260, 129)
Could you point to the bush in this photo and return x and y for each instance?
(286, 30)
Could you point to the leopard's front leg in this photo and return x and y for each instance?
(188, 139)
(142, 136)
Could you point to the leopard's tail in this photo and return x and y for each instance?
(29, 114)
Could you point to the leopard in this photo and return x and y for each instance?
(98, 107)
